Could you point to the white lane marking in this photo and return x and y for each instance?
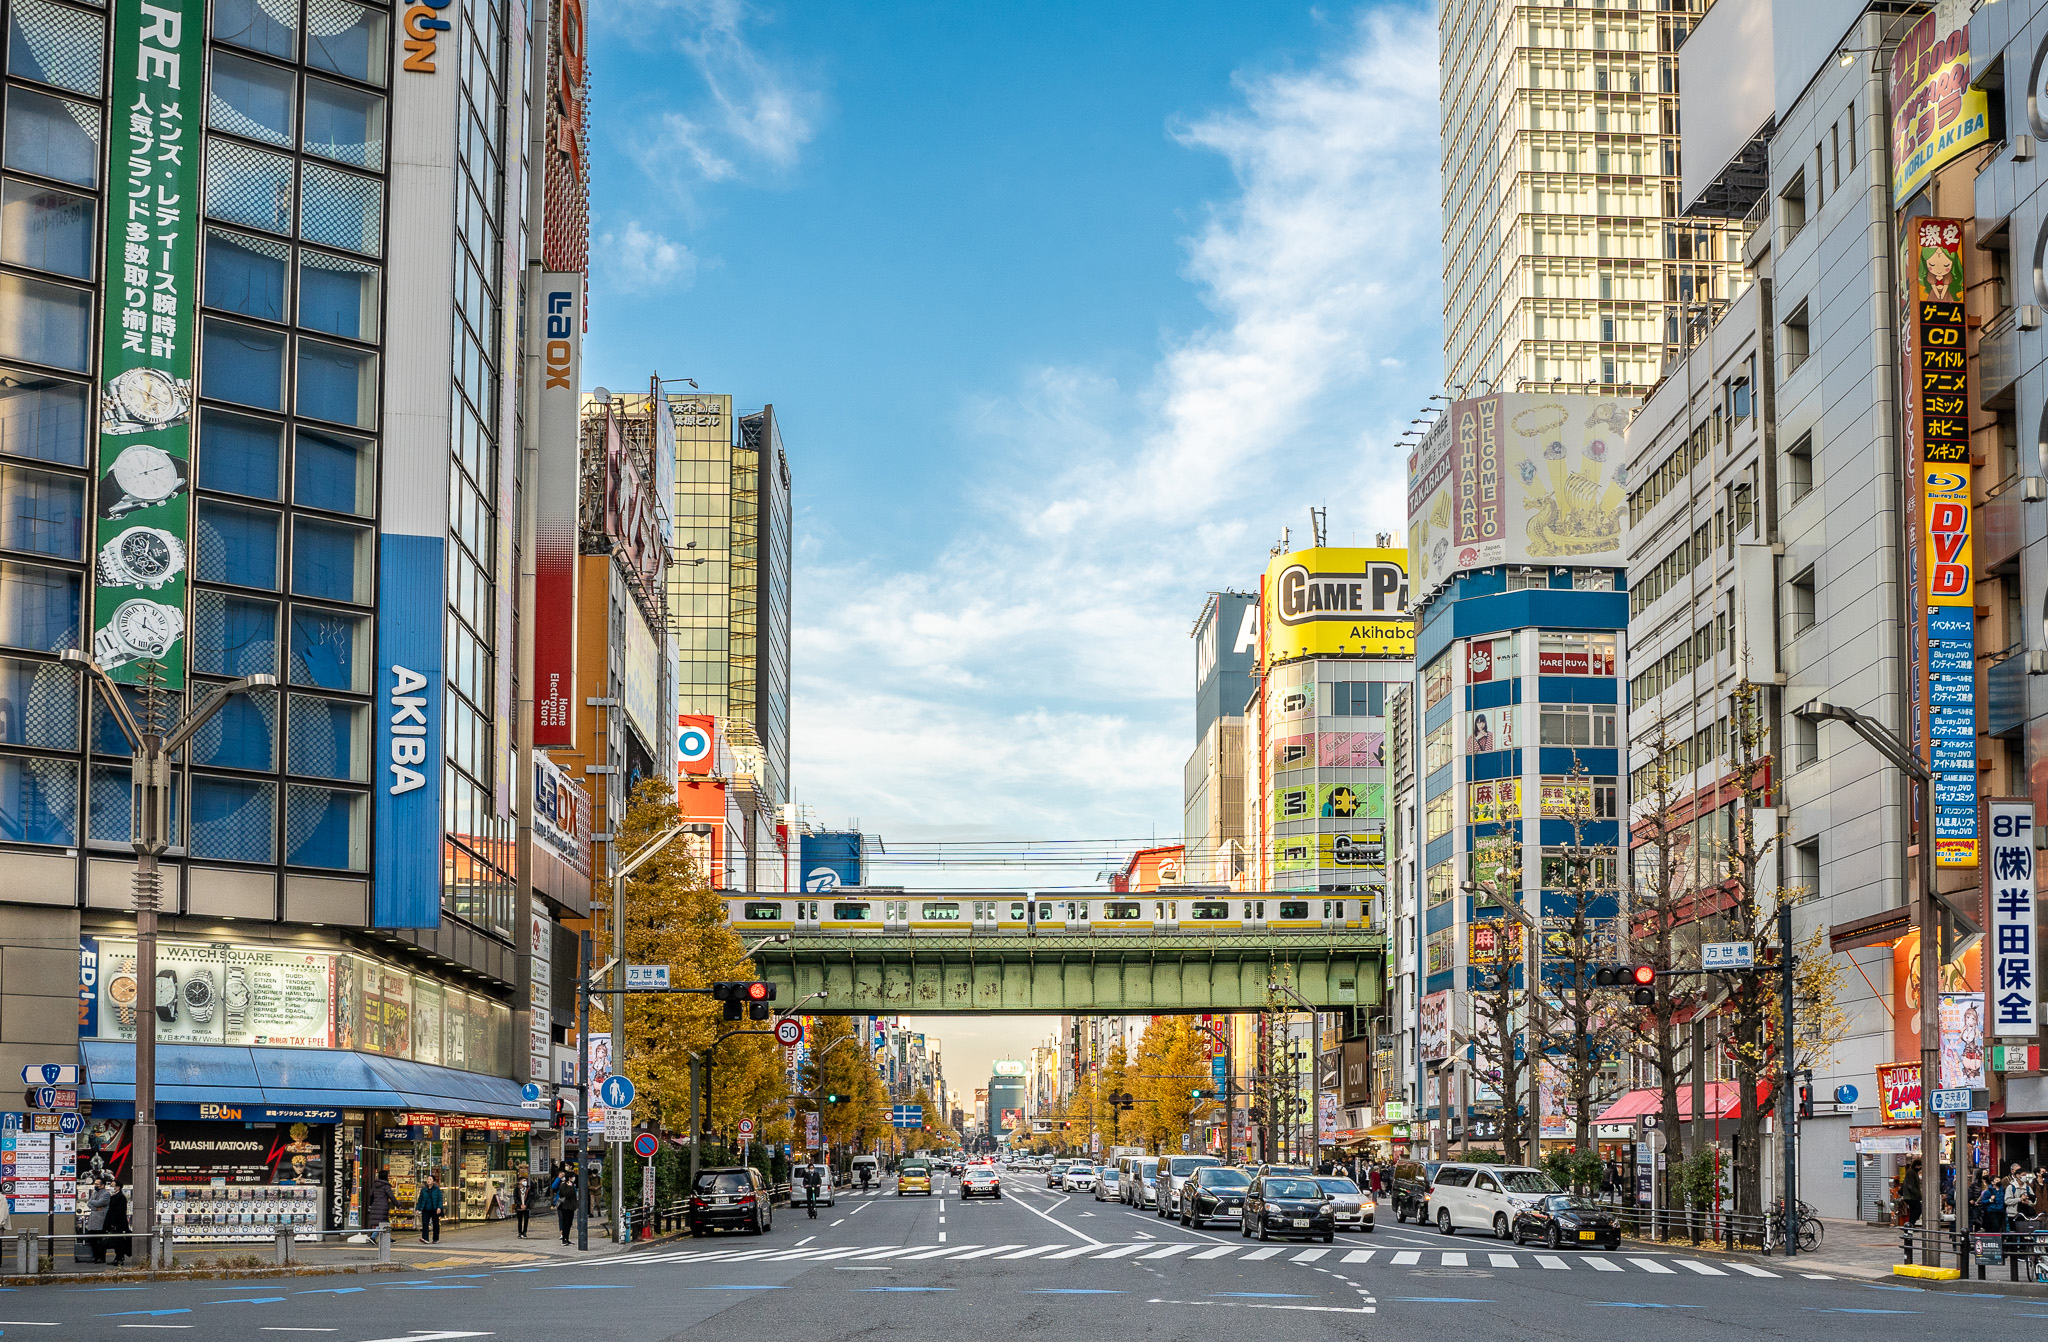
(879, 1254)
(1308, 1255)
(842, 1220)
(858, 1210)
(1260, 1255)
(1554, 1264)
(1074, 1252)
(1502, 1260)
(1703, 1269)
(942, 1237)
(1032, 1253)
(1046, 1215)
(1652, 1265)
(838, 1253)
(1170, 1250)
(986, 1253)
(1407, 1258)
(805, 1240)
(1359, 1256)
(1753, 1271)
(1820, 1276)
(1120, 1251)
(438, 1337)
(1220, 1251)
(939, 1252)
(1602, 1264)
(1458, 1259)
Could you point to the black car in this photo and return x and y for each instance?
(1215, 1193)
(1560, 1219)
(1290, 1206)
(733, 1198)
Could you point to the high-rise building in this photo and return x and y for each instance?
(1567, 264)
(729, 609)
(270, 422)
(1226, 638)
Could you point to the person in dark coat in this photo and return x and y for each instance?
(429, 1205)
(564, 1193)
(115, 1227)
(523, 1193)
(381, 1198)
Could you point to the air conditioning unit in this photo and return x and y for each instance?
(2033, 488)
(2037, 663)
(2027, 317)
(2022, 148)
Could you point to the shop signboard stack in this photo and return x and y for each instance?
(38, 1163)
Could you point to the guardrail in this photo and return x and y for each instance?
(2022, 1247)
(31, 1253)
(1695, 1225)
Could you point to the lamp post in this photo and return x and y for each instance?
(152, 742)
(1900, 757)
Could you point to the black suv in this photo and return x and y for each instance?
(732, 1198)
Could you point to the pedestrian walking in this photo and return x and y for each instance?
(1909, 1193)
(115, 1224)
(564, 1192)
(381, 1198)
(95, 1223)
(522, 1200)
(428, 1205)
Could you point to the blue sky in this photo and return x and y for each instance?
(1067, 310)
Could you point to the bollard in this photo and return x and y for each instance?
(25, 1252)
(283, 1245)
(160, 1248)
(384, 1244)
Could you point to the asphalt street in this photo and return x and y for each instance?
(1037, 1263)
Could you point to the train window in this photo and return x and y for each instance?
(1208, 910)
(763, 913)
(1294, 908)
(849, 913)
(1123, 910)
(1016, 913)
(1045, 912)
(942, 913)
(1082, 911)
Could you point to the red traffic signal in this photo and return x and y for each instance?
(1645, 979)
(757, 992)
(1642, 974)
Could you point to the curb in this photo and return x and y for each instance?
(203, 1274)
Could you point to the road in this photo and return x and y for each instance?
(1036, 1264)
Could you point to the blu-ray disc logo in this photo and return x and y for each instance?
(821, 879)
(693, 745)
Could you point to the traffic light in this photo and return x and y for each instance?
(1806, 1101)
(758, 995)
(1199, 1093)
(560, 1118)
(1123, 1100)
(728, 993)
(833, 1099)
(750, 999)
(1644, 977)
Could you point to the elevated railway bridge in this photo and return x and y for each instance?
(871, 951)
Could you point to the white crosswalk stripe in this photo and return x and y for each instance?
(1190, 1251)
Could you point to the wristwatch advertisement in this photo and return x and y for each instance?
(121, 991)
(167, 995)
(138, 629)
(199, 995)
(142, 557)
(235, 997)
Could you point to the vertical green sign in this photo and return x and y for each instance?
(148, 329)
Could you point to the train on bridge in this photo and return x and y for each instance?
(1194, 913)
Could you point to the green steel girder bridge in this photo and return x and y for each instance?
(1055, 972)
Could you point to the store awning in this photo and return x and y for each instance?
(292, 1078)
(1723, 1101)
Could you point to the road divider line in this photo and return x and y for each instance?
(987, 1253)
(1554, 1264)
(1170, 1250)
(1031, 1253)
(1702, 1268)
(1119, 1251)
(1359, 1256)
(1407, 1258)
(1601, 1264)
(1308, 1255)
(1502, 1260)
(1753, 1271)
(1217, 1252)
(1652, 1265)
(1259, 1255)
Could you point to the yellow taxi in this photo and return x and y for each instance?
(913, 1177)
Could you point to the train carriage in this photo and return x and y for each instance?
(1192, 911)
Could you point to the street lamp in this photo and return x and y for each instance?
(1900, 757)
(152, 743)
(618, 1011)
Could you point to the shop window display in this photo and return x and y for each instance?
(224, 1180)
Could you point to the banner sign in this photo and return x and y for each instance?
(558, 317)
(1938, 450)
(1332, 602)
(1936, 115)
(1898, 1092)
(148, 323)
(2012, 983)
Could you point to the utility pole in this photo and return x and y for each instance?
(152, 742)
(582, 1090)
(1788, 1106)
(1920, 780)
(616, 911)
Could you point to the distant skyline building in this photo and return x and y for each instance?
(1566, 263)
(1226, 637)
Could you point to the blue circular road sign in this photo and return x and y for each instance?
(644, 1145)
(616, 1092)
(529, 1091)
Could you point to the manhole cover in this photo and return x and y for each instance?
(1448, 1272)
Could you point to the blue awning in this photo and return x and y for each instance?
(292, 1078)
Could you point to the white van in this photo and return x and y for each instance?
(867, 1169)
(1485, 1197)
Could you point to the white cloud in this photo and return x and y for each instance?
(1038, 672)
(735, 115)
(639, 260)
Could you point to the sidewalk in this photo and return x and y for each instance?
(1855, 1251)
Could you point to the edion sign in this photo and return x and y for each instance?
(423, 26)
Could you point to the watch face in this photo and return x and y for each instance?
(142, 557)
(199, 992)
(142, 399)
(142, 475)
(122, 990)
(149, 627)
